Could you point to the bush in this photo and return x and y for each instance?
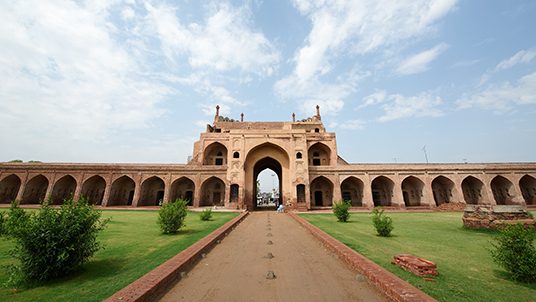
(171, 216)
(514, 250)
(206, 215)
(50, 243)
(340, 209)
(3, 218)
(382, 223)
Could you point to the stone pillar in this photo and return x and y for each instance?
(487, 193)
(137, 191)
(78, 190)
(457, 191)
(197, 192)
(20, 194)
(337, 195)
(367, 192)
(107, 191)
(167, 188)
(50, 187)
(427, 197)
(397, 198)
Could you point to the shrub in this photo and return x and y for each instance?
(206, 215)
(171, 216)
(382, 223)
(50, 243)
(3, 218)
(340, 209)
(514, 250)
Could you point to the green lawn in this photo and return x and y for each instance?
(466, 270)
(133, 246)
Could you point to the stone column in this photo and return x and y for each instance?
(197, 191)
(367, 200)
(137, 191)
(337, 195)
(487, 193)
(50, 187)
(20, 194)
(167, 188)
(107, 191)
(397, 198)
(427, 197)
(78, 190)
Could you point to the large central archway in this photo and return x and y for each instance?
(266, 156)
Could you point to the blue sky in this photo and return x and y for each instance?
(137, 81)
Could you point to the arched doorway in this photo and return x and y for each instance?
(442, 188)
(412, 191)
(382, 191)
(215, 154)
(352, 190)
(259, 158)
(93, 189)
(472, 190)
(267, 175)
(182, 188)
(63, 189)
(35, 190)
(212, 192)
(502, 190)
(122, 192)
(319, 155)
(152, 192)
(9, 188)
(527, 184)
(321, 192)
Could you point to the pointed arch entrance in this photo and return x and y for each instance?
(259, 158)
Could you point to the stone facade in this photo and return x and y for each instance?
(496, 216)
(230, 154)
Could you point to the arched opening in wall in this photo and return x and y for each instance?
(212, 192)
(319, 155)
(300, 193)
(352, 190)
(442, 188)
(9, 188)
(322, 192)
(382, 191)
(236, 155)
(122, 192)
(412, 191)
(472, 190)
(527, 184)
(299, 155)
(215, 154)
(267, 173)
(502, 190)
(152, 192)
(93, 189)
(234, 193)
(183, 188)
(63, 189)
(35, 190)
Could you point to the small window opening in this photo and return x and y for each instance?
(298, 155)
(236, 155)
(317, 130)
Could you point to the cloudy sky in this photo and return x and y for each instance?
(137, 81)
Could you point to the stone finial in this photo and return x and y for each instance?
(217, 116)
(293, 117)
(241, 117)
(318, 112)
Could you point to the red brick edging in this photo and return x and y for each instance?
(392, 286)
(153, 284)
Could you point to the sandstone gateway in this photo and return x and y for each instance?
(230, 155)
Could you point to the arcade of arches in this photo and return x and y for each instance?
(229, 156)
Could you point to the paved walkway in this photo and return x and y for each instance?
(236, 269)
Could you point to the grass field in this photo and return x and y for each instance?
(466, 270)
(133, 246)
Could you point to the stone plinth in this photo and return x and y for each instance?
(495, 216)
(416, 265)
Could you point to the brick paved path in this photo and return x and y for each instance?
(236, 269)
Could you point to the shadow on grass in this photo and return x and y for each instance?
(479, 231)
(506, 276)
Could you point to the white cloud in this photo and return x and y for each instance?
(503, 97)
(62, 71)
(352, 125)
(419, 62)
(521, 57)
(224, 42)
(398, 106)
(377, 97)
(351, 27)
